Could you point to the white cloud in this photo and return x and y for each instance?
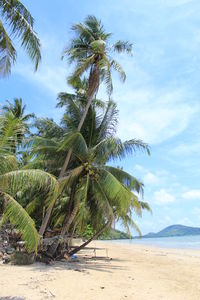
(51, 73)
(192, 195)
(163, 197)
(186, 149)
(196, 211)
(49, 77)
(154, 116)
(151, 179)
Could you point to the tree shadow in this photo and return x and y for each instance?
(83, 263)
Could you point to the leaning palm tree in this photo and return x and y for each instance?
(13, 180)
(91, 52)
(15, 16)
(108, 191)
(98, 129)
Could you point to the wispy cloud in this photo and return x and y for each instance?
(163, 197)
(186, 149)
(192, 195)
(51, 78)
(154, 116)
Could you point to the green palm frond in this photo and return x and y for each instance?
(7, 163)
(123, 46)
(118, 195)
(7, 52)
(17, 216)
(126, 179)
(32, 205)
(145, 206)
(21, 24)
(102, 199)
(75, 141)
(117, 67)
(73, 175)
(27, 179)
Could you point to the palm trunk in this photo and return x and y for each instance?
(93, 86)
(67, 222)
(96, 235)
(45, 220)
(69, 242)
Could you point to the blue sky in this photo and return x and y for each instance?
(158, 103)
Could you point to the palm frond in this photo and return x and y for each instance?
(75, 141)
(117, 67)
(7, 52)
(21, 23)
(123, 46)
(126, 179)
(17, 215)
(27, 179)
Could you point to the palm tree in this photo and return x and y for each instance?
(17, 110)
(106, 191)
(89, 157)
(15, 16)
(13, 180)
(91, 52)
(100, 124)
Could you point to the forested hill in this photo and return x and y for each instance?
(114, 234)
(174, 230)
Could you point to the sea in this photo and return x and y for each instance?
(176, 242)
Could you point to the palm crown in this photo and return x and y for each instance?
(90, 51)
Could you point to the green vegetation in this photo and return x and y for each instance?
(114, 234)
(60, 177)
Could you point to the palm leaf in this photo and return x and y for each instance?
(17, 215)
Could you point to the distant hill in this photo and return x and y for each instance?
(174, 230)
(114, 234)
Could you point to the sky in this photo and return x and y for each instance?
(159, 102)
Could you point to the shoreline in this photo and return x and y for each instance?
(153, 247)
(137, 272)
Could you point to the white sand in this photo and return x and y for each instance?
(135, 272)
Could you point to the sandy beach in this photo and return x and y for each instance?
(134, 272)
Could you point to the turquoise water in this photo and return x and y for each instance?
(179, 242)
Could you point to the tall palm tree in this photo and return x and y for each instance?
(91, 52)
(18, 19)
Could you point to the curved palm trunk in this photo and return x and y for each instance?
(69, 242)
(53, 248)
(67, 222)
(93, 86)
(96, 235)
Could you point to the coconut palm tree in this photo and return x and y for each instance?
(17, 109)
(100, 125)
(91, 51)
(89, 157)
(18, 19)
(107, 191)
(13, 180)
